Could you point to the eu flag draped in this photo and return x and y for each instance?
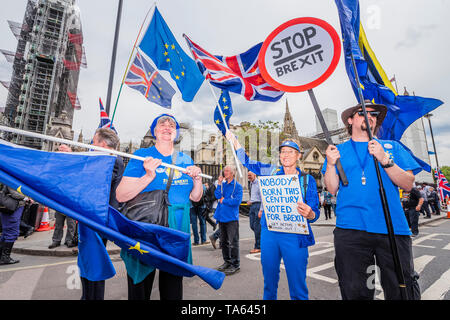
(239, 74)
(376, 86)
(144, 78)
(105, 122)
(227, 110)
(78, 185)
(160, 45)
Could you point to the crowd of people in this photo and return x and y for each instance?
(360, 236)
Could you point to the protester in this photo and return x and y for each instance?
(291, 247)
(327, 203)
(255, 208)
(412, 207)
(425, 208)
(216, 235)
(12, 204)
(196, 214)
(108, 139)
(433, 201)
(360, 236)
(209, 200)
(229, 195)
(150, 175)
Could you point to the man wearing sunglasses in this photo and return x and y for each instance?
(360, 237)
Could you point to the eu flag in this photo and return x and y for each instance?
(375, 85)
(78, 185)
(227, 110)
(160, 45)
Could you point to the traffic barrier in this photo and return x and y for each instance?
(45, 221)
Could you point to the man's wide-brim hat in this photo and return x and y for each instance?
(377, 107)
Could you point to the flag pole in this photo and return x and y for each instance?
(88, 146)
(129, 60)
(387, 214)
(226, 128)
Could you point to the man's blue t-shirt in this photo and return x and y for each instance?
(182, 184)
(359, 206)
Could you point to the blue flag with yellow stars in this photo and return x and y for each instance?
(227, 110)
(403, 110)
(160, 45)
(78, 185)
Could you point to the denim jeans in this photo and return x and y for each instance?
(196, 214)
(255, 223)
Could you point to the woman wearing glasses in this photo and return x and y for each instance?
(293, 248)
(360, 236)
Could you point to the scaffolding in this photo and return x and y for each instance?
(46, 66)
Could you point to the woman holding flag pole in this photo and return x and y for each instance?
(293, 248)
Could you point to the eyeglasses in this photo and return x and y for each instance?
(374, 114)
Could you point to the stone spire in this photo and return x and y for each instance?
(289, 129)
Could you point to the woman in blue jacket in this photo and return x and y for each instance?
(293, 248)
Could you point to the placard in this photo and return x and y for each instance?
(280, 195)
(300, 54)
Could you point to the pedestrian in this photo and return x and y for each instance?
(327, 203)
(229, 195)
(254, 213)
(433, 201)
(360, 236)
(150, 175)
(216, 234)
(412, 207)
(93, 286)
(425, 208)
(209, 199)
(12, 204)
(196, 214)
(291, 247)
(71, 238)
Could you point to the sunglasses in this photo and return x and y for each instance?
(374, 114)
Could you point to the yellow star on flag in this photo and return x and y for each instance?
(217, 121)
(137, 247)
(173, 47)
(166, 45)
(166, 53)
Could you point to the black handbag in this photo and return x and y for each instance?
(7, 203)
(151, 206)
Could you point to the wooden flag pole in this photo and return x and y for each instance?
(88, 146)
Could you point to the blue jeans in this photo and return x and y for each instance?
(196, 213)
(255, 223)
(11, 225)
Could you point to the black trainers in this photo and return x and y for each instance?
(54, 245)
(231, 270)
(226, 265)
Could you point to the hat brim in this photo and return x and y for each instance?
(347, 113)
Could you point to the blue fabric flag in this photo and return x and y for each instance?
(227, 110)
(375, 85)
(160, 45)
(78, 185)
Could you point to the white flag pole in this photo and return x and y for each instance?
(227, 129)
(88, 146)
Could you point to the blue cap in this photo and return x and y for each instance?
(291, 144)
(152, 127)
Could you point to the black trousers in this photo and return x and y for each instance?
(356, 255)
(229, 241)
(170, 287)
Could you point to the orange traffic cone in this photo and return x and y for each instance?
(45, 221)
(448, 208)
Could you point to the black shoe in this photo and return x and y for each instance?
(71, 244)
(231, 270)
(226, 265)
(5, 258)
(54, 245)
(28, 233)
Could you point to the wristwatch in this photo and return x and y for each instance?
(389, 164)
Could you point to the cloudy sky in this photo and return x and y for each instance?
(408, 37)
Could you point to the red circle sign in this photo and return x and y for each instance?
(300, 54)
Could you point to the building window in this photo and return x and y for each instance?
(316, 156)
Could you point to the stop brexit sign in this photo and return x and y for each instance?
(300, 54)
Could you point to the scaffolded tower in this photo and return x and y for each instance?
(43, 88)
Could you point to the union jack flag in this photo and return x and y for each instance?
(105, 122)
(443, 185)
(239, 74)
(144, 78)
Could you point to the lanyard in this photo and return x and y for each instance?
(362, 164)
